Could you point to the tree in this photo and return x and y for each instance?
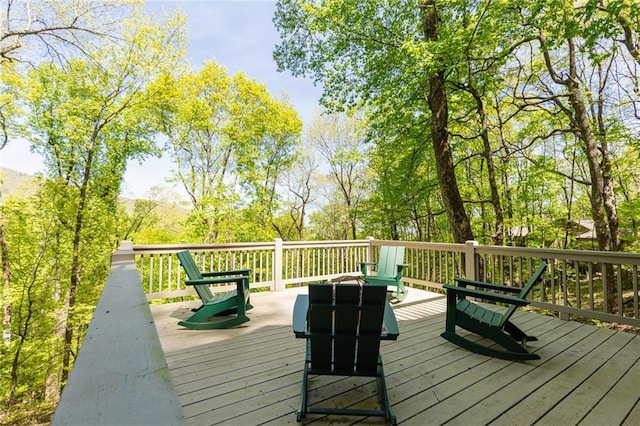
(438, 106)
(387, 58)
(231, 141)
(266, 141)
(340, 141)
(87, 119)
(33, 31)
(31, 346)
(301, 183)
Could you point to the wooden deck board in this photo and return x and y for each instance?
(622, 396)
(604, 368)
(251, 374)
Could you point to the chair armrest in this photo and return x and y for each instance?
(390, 324)
(224, 280)
(300, 310)
(225, 273)
(485, 295)
(365, 265)
(463, 282)
(400, 267)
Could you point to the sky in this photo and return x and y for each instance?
(238, 34)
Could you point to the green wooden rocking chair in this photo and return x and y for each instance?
(222, 310)
(343, 325)
(496, 326)
(388, 270)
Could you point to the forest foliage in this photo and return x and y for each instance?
(445, 120)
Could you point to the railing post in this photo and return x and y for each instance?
(370, 250)
(124, 253)
(278, 279)
(470, 269)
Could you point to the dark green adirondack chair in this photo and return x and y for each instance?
(493, 325)
(343, 325)
(222, 310)
(388, 270)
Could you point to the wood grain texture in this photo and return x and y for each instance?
(120, 376)
(251, 375)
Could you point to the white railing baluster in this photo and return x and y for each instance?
(634, 283)
(619, 287)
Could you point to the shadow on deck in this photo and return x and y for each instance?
(251, 374)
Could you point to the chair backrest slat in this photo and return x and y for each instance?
(535, 278)
(320, 325)
(345, 322)
(189, 265)
(389, 259)
(193, 273)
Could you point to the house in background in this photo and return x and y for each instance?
(579, 234)
(583, 231)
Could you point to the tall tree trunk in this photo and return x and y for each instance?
(491, 168)
(505, 161)
(75, 264)
(610, 204)
(437, 100)
(602, 199)
(4, 293)
(580, 121)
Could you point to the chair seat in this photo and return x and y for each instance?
(223, 297)
(480, 314)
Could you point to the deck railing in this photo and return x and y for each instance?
(121, 377)
(274, 265)
(589, 284)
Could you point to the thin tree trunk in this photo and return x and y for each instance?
(610, 204)
(75, 267)
(491, 168)
(6, 303)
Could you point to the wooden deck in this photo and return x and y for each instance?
(251, 375)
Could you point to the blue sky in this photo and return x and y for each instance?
(237, 34)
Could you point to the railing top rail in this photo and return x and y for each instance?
(453, 247)
(562, 254)
(120, 375)
(328, 243)
(172, 248)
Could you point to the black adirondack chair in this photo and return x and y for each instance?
(493, 325)
(222, 310)
(343, 325)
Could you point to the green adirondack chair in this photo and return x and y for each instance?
(222, 310)
(493, 325)
(343, 325)
(388, 270)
